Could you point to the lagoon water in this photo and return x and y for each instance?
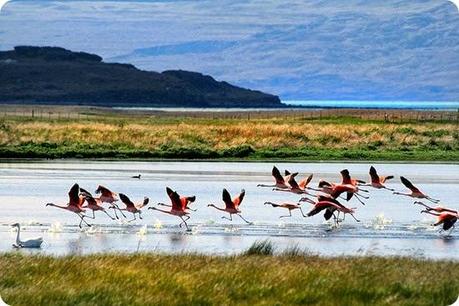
(390, 225)
(413, 105)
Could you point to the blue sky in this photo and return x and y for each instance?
(338, 50)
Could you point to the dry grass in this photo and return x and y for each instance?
(217, 135)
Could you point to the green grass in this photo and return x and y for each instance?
(258, 279)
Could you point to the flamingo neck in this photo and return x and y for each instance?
(58, 206)
(216, 207)
(162, 210)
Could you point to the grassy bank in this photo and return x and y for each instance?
(275, 138)
(246, 280)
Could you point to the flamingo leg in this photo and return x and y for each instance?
(132, 219)
(290, 214)
(302, 213)
(230, 218)
(432, 200)
(119, 209)
(352, 215)
(184, 222)
(248, 222)
(108, 214)
(82, 220)
(358, 199)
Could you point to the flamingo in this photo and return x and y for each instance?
(133, 208)
(231, 206)
(448, 219)
(110, 197)
(30, 243)
(438, 209)
(378, 181)
(415, 192)
(350, 190)
(177, 208)
(297, 188)
(329, 211)
(75, 204)
(93, 204)
(280, 181)
(289, 206)
(185, 201)
(327, 204)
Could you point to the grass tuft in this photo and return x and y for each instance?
(263, 247)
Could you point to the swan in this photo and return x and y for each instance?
(31, 243)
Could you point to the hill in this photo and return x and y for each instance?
(52, 75)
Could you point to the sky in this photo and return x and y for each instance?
(297, 49)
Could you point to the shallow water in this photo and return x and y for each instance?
(390, 225)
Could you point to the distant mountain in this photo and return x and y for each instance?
(58, 76)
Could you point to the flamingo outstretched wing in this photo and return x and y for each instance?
(374, 175)
(277, 176)
(238, 200)
(175, 199)
(124, 198)
(305, 182)
(409, 185)
(346, 177)
(74, 195)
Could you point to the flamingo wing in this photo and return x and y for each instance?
(238, 200)
(323, 184)
(305, 182)
(227, 199)
(74, 195)
(145, 202)
(409, 185)
(346, 177)
(292, 182)
(104, 191)
(386, 178)
(318, 207)
(374, 175)
(175, 199)
(277, 176)
(124, 198)
(85, 193)
(328, 214)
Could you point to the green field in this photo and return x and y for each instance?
(287, 279)
(110, 135)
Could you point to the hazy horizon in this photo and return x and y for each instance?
(299, 50)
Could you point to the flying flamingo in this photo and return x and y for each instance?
(185, 201)
(93, 204)
(378, 181)
(131, 207)
(231, 206)
(448, 219)
(280, 181)
(415, 192)
(438, 209)
(289, 206)
(178, 207)
(110, 197)
(328, 204)
(329, 211)
(75, 204)
(297, 188)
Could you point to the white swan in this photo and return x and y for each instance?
(31, 243)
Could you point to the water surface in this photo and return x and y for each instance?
(390, 225)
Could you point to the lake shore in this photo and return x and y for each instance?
(351, 135)
(256, 277)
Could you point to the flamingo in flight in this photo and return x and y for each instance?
(178, 208)
(279, 180)
(297, 187)
(287, 205)
(378, 181)
(93, 204)
(185, 201)
(231, 205)
(75, 204)
(131, 207)
(330, 205)
(447, 219)
(335, 190)
(415, 192)
(110, 197)
(438, 209)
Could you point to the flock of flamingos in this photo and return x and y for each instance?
(326, 199)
